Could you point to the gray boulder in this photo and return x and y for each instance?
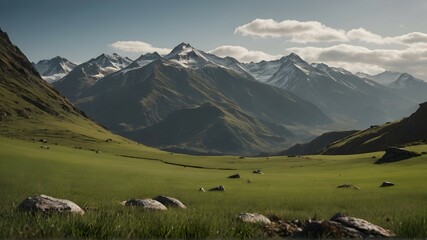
(365, 228)
(253, 218)
(147, 203)
(47, 204)
(170, 202)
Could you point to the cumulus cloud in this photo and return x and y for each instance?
(357, 58)
(409, 39)
(242, 54)
(139, 47)
(296, 31)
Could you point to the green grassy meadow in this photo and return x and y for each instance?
(290, 188)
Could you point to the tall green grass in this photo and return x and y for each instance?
(290, 188)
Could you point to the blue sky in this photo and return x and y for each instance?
(82, 29)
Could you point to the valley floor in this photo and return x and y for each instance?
(290, 188)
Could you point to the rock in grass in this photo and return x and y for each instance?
(348, 186)
(258, 171)
(147, 203)
(393, 154)
(170, 202)
(47, 204)
(219, 188)
(254, 218)
(234, 176)
(202, 190)
(387, 184)
(365, 228)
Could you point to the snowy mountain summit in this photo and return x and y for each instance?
(54, 69)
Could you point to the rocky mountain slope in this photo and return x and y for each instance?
(88, 73)
(347, 98)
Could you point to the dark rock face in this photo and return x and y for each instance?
(387, 184)
(234, 176)
(393, 154)
(148, 204)
(219, 188)
(170, 202)
(49, 204)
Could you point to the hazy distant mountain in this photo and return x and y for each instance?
(87, 73)
(317, 145)
(410, 87)
(138, 97)
(215, 129)
(54, 69)
(342, 95)
(378, 138)
(384, 78)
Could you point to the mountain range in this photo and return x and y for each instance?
(139, 98)
(87, 73)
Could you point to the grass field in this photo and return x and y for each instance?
(290, 188)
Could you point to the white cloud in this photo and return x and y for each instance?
(363, 35)
(357, 58)
(139, 47)
(242, 54)
(296, 31)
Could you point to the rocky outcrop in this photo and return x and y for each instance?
(148, 204)
(253, 218)
(393, 154)
(339, 226)
(47, 204)
(170, 202)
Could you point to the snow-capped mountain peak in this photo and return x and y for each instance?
(54, 69)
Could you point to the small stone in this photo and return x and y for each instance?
(202, 190)
(219, 188)
(234, 176)
(387, 184)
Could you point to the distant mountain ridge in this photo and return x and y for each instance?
(54, 69)
(358, 102)
(87, 73)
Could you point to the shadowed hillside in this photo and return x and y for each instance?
(378, 138)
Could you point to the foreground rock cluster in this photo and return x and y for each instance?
(339, 226)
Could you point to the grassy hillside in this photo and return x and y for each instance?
(408, 131)
(289, 188)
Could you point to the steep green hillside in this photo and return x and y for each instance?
(213, 127)
(31, 109)
(412, 129)
(318, 144)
